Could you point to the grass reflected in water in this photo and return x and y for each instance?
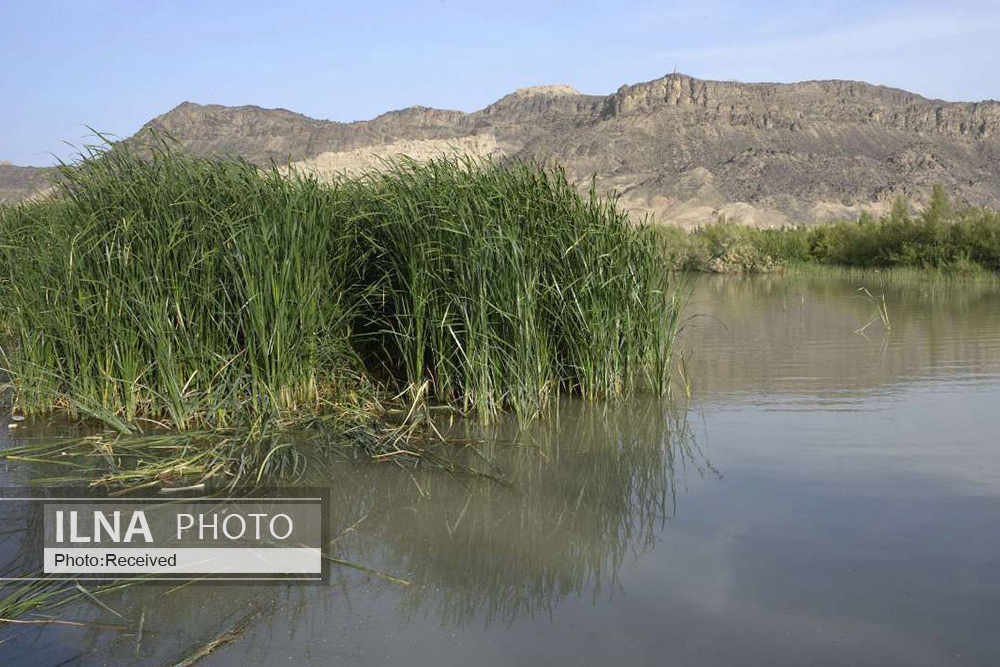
(576, 496)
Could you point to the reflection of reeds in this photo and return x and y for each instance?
(582, 491)
(899, 275)
(881, 311)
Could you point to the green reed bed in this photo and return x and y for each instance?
(174, 292)
(502, 286)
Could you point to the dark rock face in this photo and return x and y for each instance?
(687, 150)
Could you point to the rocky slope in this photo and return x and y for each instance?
(18, 183)
(687, 150)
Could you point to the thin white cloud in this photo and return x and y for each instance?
(884, 35)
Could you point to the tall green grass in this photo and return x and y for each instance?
(190, 291)
(175, 289)
(501, 285)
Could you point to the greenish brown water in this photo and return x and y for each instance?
(827, 499)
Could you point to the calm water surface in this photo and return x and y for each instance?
(828, 499)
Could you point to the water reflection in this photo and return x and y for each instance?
(779, 335)
(582, 493)
(584, 490)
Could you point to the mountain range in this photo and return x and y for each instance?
(686, 150)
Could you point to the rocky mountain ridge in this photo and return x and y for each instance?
(686, 150)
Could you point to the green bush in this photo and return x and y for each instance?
(943, 237)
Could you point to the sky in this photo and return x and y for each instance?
(112, 65)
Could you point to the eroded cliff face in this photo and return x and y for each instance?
(798, 106)
(686, 150)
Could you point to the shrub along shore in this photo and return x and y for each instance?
(174, 292)
(944, 238)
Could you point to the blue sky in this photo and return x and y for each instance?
(113, 64)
